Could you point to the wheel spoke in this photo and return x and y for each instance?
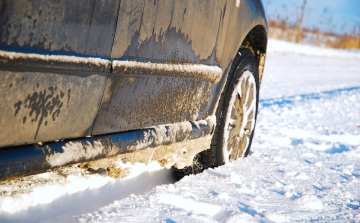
(243, 145)
(243, 93)
(233, 133)
(250, 96)
(238, 103)
(233, 114)
(234, 151)
(251, 115)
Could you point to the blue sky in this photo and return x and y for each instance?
(338, 16)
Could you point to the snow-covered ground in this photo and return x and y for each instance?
(304, 165)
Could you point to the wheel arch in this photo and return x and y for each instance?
(256, 41)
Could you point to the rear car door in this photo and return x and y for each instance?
(54, 62)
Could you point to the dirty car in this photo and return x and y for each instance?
(104, 82)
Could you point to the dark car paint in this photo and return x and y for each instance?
(66, 27)
(50, 100)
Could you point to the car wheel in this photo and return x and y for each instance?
(236, 113)
(235, 116)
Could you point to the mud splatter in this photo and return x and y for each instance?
(41, 105)
(17, 107)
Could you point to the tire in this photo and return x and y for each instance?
(232, 138)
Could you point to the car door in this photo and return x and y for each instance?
(54, 62)
(164, 67)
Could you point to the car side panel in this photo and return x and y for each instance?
(172, 32)
(50, 84)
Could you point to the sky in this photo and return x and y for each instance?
(339, 16)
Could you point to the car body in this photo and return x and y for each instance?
(82, 71)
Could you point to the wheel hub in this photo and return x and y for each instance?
(240, 120)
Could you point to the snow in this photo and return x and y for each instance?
(162, 138)
(200, 71)
(74, 151)
(304, 165)
(46, 187)
(58, 58)
(189, 204)
(58, 195)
